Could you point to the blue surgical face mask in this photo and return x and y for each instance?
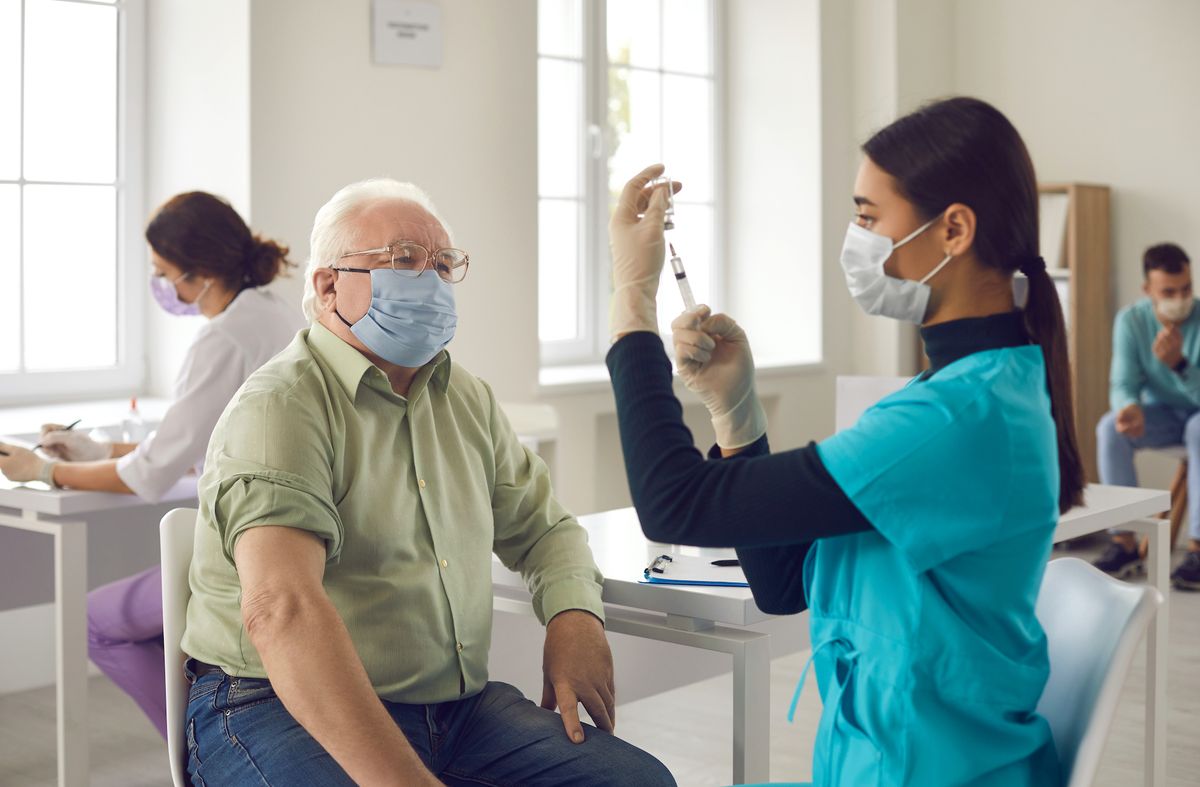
(411, 318)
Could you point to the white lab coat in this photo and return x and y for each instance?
(230, 346)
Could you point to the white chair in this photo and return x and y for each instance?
(175, 534)
(1094, 624)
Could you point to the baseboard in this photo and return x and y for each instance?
(27, 655)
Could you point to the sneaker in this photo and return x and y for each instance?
(1120, 562)
(1186, 575)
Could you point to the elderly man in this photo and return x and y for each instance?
(355, 490)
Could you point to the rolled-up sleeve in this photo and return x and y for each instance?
(211, 374)
(270, 464)
(534, 534)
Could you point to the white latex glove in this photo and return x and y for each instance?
(637, 254)
(713, 356)
(73, 446)
(21, 465)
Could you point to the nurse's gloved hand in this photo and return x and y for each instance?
(635, 235)
(73, 446)
(713, 356)
(21, 465)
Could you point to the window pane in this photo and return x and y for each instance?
(688, 135)
(70, 91)
(560, 128)
(634, 124)
(10, 89)
(560, 28)
(558, 269)
(687, 36)
(10, 273)
(693, 239)
(633, 33)
(70, 277)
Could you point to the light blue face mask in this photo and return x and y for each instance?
(411, 318)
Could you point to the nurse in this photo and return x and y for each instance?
(205, 262)
(917, 539)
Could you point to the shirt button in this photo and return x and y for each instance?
(421, 483)
(459, 647)
(445, 563)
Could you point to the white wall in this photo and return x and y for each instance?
(197, 135)
(1103, 91)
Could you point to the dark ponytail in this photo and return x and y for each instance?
(964, 150)
(202, 234)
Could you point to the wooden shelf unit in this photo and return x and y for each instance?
(1087, 259)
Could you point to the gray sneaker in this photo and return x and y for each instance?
(1119, 562)
(1186, 575)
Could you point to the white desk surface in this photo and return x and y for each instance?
(69, 502)
(1110, 506)
(622, 553)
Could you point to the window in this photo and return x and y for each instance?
(69, 217)
(621, 84)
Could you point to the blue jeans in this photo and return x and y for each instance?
(239, 733)
(1164, 426)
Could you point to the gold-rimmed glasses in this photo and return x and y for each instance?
(409, 258)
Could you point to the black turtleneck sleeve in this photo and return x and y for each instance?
(769, 506)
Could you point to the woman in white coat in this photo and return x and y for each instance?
(206, 261)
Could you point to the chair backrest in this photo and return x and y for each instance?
(856, 394)
(1094, 624)
(175, 533)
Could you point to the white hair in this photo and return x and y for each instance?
(333, 233)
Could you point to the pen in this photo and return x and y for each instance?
(725, 563)
(66, 428)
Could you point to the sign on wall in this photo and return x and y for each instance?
(406, 33)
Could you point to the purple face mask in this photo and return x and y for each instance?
(164, 292)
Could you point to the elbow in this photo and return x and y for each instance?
(269, 614)
(779, 605)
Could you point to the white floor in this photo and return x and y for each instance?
(687, 728)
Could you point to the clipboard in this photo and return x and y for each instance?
(688, 570)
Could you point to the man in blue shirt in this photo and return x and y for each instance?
(1155, 397)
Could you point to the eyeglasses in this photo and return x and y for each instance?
(411, 259)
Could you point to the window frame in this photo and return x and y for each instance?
(595, 262)
(128, 374)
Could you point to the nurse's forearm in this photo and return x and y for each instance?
(93, 476)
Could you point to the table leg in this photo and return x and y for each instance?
(70, 612)
(752, 711)
(1158, 569)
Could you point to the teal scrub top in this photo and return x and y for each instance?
(928, 654)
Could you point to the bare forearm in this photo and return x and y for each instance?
(302, 639)
(94, 476)
(121, 449)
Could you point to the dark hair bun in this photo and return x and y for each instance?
(267, 260)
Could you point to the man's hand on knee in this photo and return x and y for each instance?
(577, 667)
(1131, 421)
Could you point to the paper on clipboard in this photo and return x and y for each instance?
(690, 570)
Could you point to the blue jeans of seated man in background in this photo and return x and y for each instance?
(239, 733)
(1164, 426)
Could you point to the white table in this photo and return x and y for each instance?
(714, 619)
(63, 514)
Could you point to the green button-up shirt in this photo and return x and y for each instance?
(411, 497)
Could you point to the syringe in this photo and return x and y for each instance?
(685, 289)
